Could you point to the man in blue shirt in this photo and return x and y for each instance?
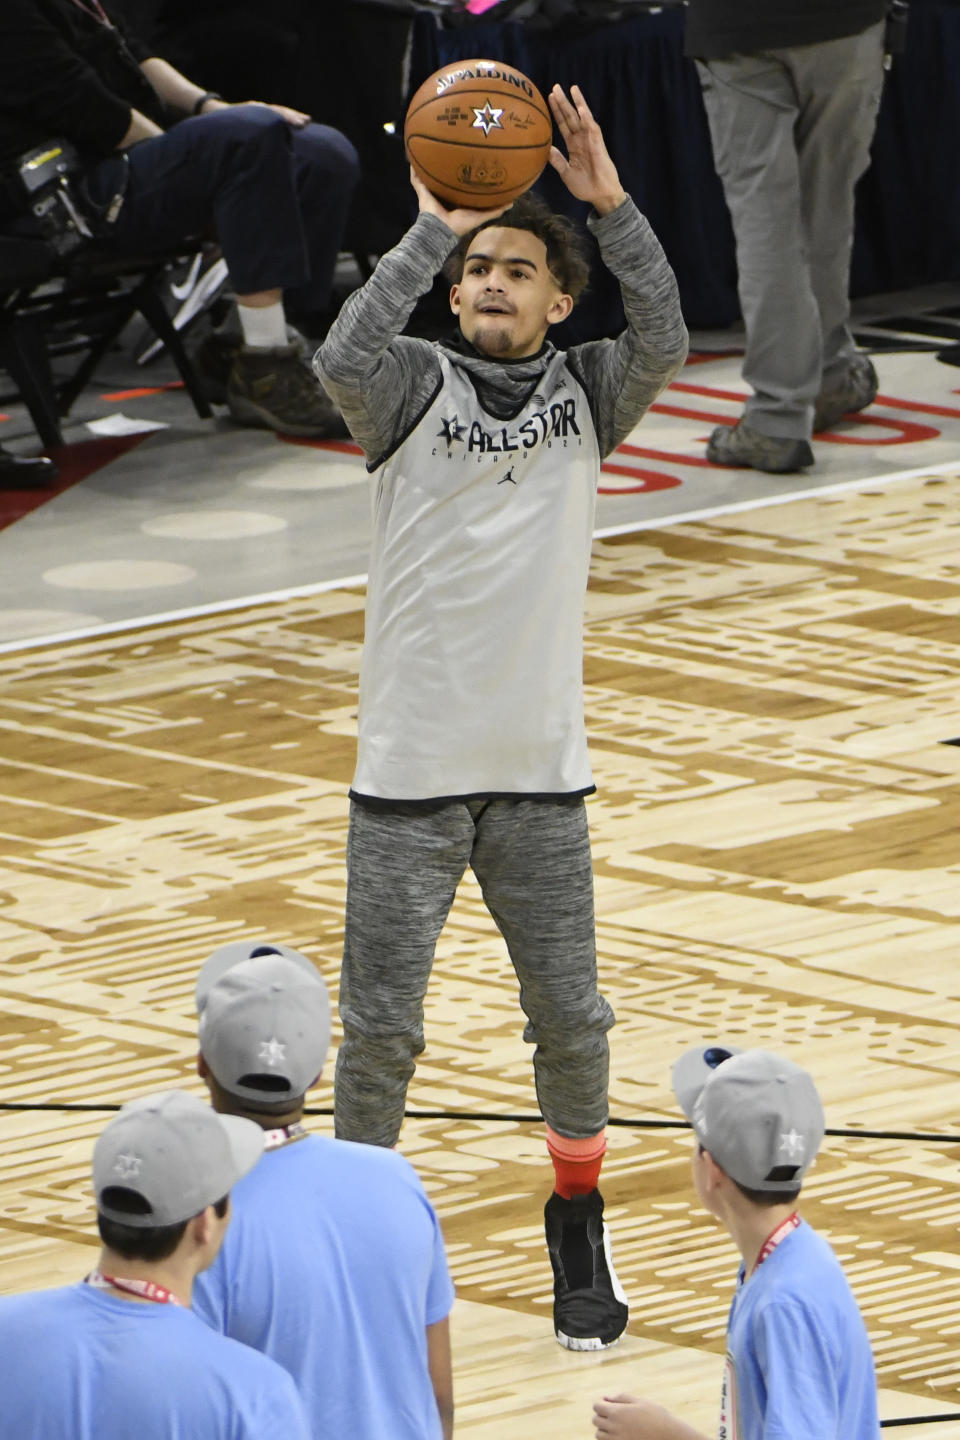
(335, 1264)
(798, 1363)
(121, 1354)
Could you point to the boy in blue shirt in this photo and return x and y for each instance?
(122, 1354)
(798, 1364)
(335, 1264)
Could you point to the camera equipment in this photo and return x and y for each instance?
(44, 182)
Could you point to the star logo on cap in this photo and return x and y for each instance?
(487, 119)
(127, 1166)
(792, 1144)
(272, 1051)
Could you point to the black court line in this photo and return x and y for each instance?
(922, 1420)
(494, 1116)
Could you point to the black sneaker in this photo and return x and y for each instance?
(854, 391)
(276, 390)
(749, 449)
(589, 1306)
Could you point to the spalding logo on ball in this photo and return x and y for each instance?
(478, 133)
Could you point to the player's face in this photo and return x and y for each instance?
(507, 298)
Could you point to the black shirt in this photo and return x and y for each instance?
(65, 74)
(729, 27)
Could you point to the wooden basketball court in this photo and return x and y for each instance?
(775, 732)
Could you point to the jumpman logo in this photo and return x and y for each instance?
(507, 477)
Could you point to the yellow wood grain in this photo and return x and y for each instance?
(775, 842)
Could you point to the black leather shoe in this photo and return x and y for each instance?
(24, 472)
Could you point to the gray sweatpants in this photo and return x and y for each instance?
(791, 132)
(532, 861)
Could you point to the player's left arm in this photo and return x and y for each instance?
(622, 377)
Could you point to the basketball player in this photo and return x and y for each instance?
(121, 1354)
(486, 455)
(334, 1264)
(798, 1358)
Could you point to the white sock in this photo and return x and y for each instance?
(264, 326)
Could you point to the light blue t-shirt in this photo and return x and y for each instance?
(88, 1365)
(799, 1364)
(334, 1265)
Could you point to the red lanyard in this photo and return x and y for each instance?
(774, 1238)
(95, 10)
(146, 1289)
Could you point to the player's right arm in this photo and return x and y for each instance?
(382, 383)
(381, 380)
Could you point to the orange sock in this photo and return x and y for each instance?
(576, 1162)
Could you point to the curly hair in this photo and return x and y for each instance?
(567, 256)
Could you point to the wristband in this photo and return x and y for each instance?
(202, 100)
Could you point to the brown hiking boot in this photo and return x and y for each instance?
(276, 390)
(750, 449)
(854, 391)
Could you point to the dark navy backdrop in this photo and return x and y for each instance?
(353, 65)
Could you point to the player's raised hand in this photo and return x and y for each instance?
(461, 221)
(586, 169)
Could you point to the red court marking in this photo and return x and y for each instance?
(145, 390)
(703, 357)
(908, 432)
(952, 414)
(650, 479)
(713, 392)
(683, 413)
(75, 462)
(670, 456)
(345, 447)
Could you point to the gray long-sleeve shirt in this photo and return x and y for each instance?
(486, 478)
(383, 381)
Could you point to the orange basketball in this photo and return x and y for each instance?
(478, 133)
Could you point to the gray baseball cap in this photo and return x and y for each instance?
(264, 1021)
(758, 1114)
(175, 1153)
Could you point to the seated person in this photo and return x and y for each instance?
(166, 160)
